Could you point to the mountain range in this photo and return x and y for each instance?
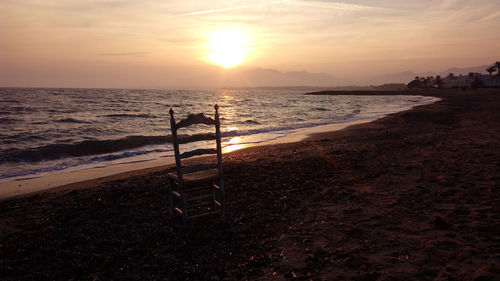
(407, 76)
(261, 77)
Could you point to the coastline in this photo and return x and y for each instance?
(410, 196)
(93, 176)
(88, 178)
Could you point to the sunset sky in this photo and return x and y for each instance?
(153, 43)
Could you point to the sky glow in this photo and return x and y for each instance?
(157, 43)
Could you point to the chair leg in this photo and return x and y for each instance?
(223, 212)
(170, 197)
(223, 203)
(184, 203)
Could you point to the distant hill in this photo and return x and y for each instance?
(406, 76)
(465, 71)
(399, 77)
(260, 77)
(372, 88)
(270, 78)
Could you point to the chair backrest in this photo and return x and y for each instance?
(193, 119)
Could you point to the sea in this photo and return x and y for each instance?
(49, 130)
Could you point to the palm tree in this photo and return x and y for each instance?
(491, 69)
(439, 81)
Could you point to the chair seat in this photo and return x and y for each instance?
(196, 177)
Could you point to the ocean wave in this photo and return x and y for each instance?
(73, 120)
(10, 101)
(88, 147)
(48, 132)
(21, 138)
(124, 115)
(181, 105)
(249, 121)
(5, 120)
(84, 163)
(266, 130)
(30, 173)
(126, 154)
(129, 143)
(94, 147)
(17, 109)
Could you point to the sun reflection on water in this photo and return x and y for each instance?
(233, 144)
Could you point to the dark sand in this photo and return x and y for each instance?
(412, 196)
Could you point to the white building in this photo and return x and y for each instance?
(465, 81)
(491, 81)
(458, 81)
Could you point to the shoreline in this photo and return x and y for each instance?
(93, 177)
(410, 196)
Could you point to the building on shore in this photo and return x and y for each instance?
(491, 81)
(466, 81)
(458, 81)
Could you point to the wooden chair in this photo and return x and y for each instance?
(196, 190)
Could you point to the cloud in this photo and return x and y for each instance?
(126, 54)
(492, 16)
(230, 8)
(337, 5)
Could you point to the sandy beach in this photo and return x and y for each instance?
(411, 196)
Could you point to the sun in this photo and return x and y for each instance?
(227, 48)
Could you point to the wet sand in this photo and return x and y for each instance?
(411, 196)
